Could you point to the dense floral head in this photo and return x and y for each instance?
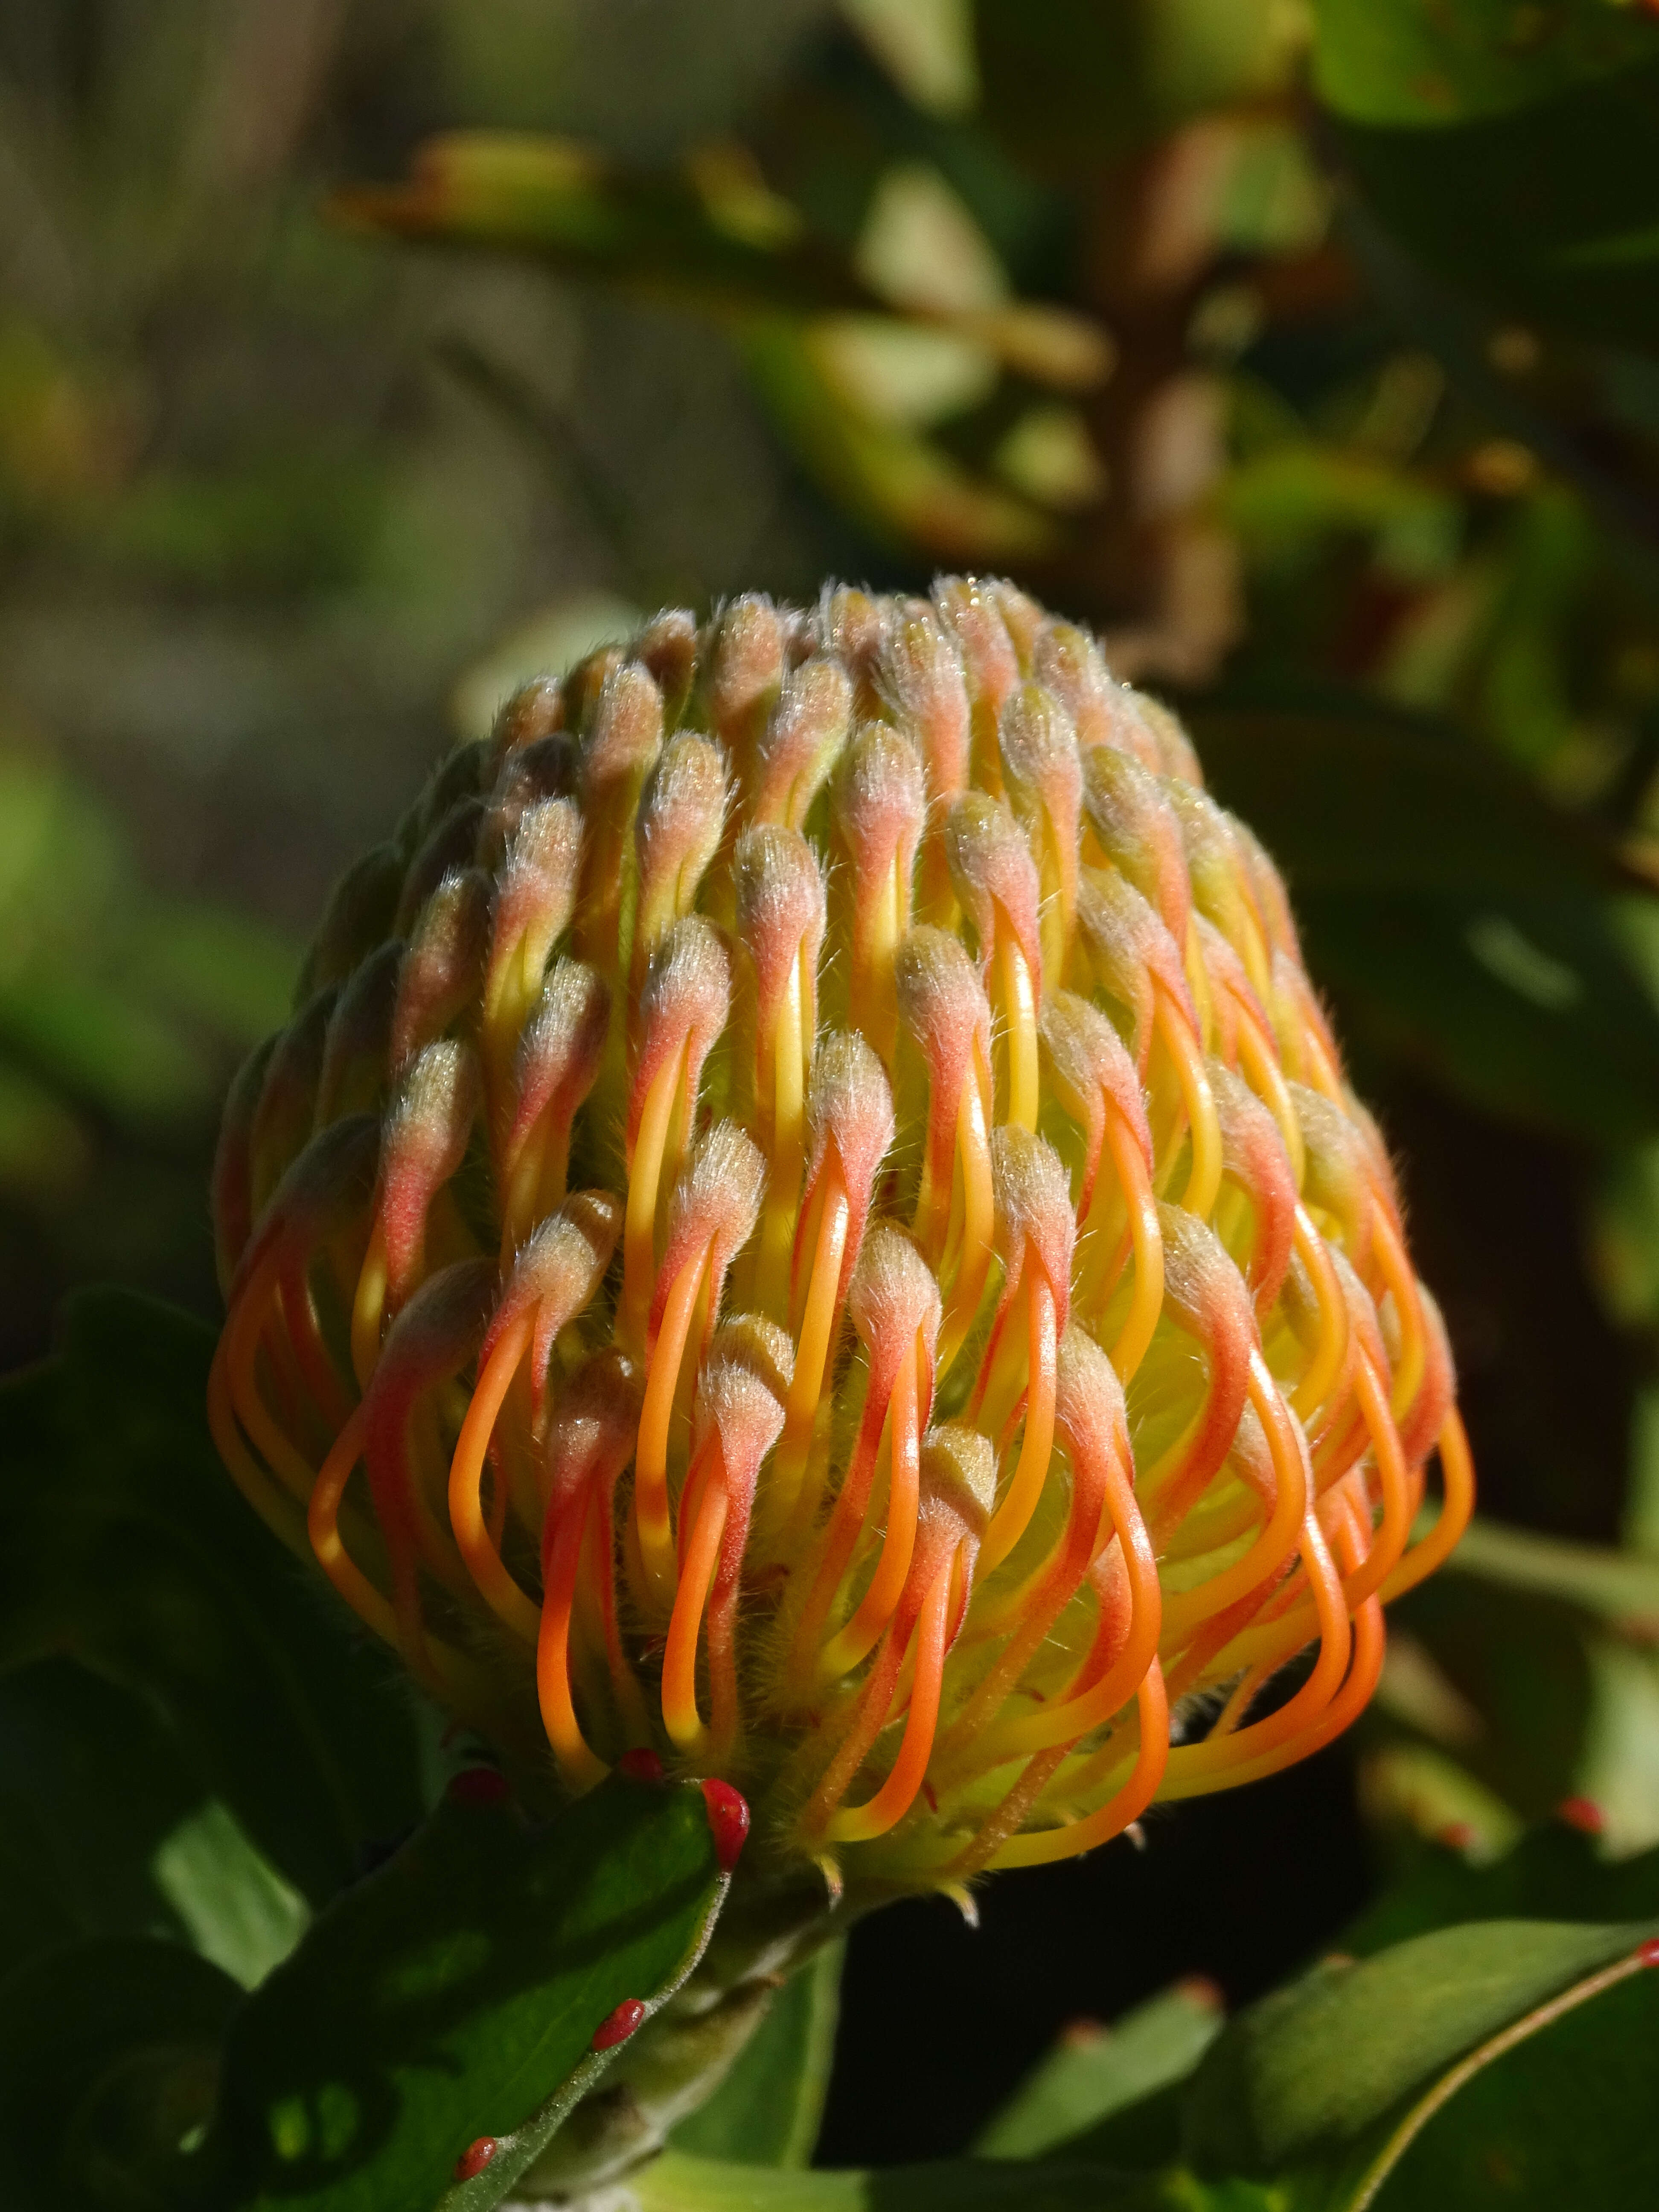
(808, 1221)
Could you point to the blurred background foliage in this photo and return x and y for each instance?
(1309, 349)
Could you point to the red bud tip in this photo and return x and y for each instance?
(1456, 1836)
(1647, 1955)
(1582, 1813)
(642, 1764)
(474, 2159)
(478, 1785)
(728, 1821)
(616, 2027)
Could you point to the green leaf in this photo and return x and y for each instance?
(107, 2051)
(1092, 2074)
(1554, 1871)
(1462, 921)
(677, 2184)
(716, 237)
(174, 1865)
(1565, 2117)
(1068, 83)
(848, 365)
(1302, 2074)
(454, 1993)
(901, 486)
(70, 1747)
(1396, 61)
(1521, 1669)
(1510, 149)
(239, 1911)
(1618, 1585)
(124, 1542)
(768, 2109)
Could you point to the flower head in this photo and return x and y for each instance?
(808, 1221)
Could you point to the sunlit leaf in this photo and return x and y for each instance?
(454, 1993)
(1094, 2072)
(1310, 2068)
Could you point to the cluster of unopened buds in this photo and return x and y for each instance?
(808, 1221)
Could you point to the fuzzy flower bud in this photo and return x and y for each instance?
(942, 1425)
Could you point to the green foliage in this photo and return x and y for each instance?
(1509, 152)
(107, 2053)
(767, 2110)
(1466, 923)
(454, 1993)
(1095, 2074)
(126, 1545)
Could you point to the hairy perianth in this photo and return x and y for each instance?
(809, 1219)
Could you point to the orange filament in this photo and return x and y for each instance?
(303, 1331)
(242, 1333)
(1184, 1609)
(789, 1054)
(323, 1526)
(679, 1665)
(1058, 916)
(812, 1351)
(1198, 981)
(369, 1306)
(1263, 1074)
(1396, 1271)
(858, 1824)
(1088, 1705)
(1194, 1769)
(651, 1517)
(1369, 1644)
(877, 929)
(1332, 1349)
(640, 1224)
(880, 1602)
(1204, 1176)
(839, 1536)
(473, 1539)
(1457, 1473)
(1146, 1240)
(1395, 1528)
(273, 1505)
(1127, 1803)
(578, 1765)
(1020, 1013)
(535, 1181)
(1012, 1517)
(975, 1247)
(435, 1663)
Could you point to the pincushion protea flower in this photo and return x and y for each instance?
(808, 1221)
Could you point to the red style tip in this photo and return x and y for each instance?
(616, 2027)
(474, 2159)
(478, 1785)
(1456, 1836)
(1647, 1955)
(728, 1820)
(642, 1764)
(1582, 1813)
